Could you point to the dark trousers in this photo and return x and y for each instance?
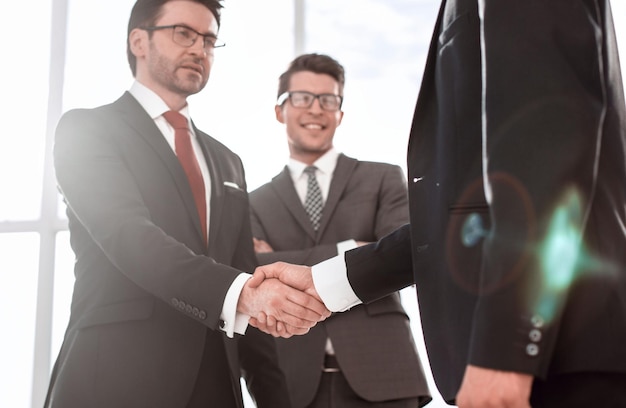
(213, 387)
(335, 392)
(589, 390)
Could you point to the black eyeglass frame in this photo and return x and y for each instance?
(209, 41)
(288, 94)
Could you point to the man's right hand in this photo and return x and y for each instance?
(271, 303)
(297, 277)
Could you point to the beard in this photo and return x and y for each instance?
(175, 77)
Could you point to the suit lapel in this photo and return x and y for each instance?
(341, 176)
(136, 118)
(217, 187)
(286, 192)
(283, 186)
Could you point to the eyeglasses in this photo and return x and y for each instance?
(303, 99)
(187, 36)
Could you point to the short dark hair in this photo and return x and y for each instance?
(318, 63)
(145, 13)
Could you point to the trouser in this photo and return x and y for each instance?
(335, 392)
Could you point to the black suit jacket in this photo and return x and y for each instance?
(366, 201)
(148, 291)
(528, 272)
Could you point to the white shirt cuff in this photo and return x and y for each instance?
(234, 322)
(344, 246)
(331, 282)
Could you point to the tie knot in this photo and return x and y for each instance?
(176, 119)
(310, 170)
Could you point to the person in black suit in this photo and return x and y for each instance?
(362, 201)
(517, 192)
(162, 248)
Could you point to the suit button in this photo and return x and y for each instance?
(196, 311)
(174, 302)
(202, 315)
(222, 324)
(532, 350)
(181, 305)
(189, 309)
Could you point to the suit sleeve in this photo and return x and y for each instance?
(379, 269)
(383, 267)
(544, 107)
(307, 256)
(94, 176)
(391, 213)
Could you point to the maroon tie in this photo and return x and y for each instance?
(188, 160)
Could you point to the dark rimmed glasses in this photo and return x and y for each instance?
(303, 99)
(187, 36)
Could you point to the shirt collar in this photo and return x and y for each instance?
(325, 164)
(151, 102)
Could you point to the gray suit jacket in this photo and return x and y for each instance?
(373, 343)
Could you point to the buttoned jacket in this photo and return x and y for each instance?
(373, 343)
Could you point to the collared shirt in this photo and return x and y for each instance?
(324, 173)
(233, 322)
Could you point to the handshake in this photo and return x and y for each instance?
(281, 300)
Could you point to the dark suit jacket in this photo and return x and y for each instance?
(148, 292)
(373, 343)
(534, 278)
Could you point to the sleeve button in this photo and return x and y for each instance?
(532, 350)
(537, 321)
(535, 335)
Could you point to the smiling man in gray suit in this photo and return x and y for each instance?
(366, 357)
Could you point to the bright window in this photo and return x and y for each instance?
(382, 45)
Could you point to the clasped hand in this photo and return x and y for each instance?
(281, 300)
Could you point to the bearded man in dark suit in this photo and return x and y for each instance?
(159, 222)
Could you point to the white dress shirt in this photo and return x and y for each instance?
(330, 278)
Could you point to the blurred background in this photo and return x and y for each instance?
(63, 54)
